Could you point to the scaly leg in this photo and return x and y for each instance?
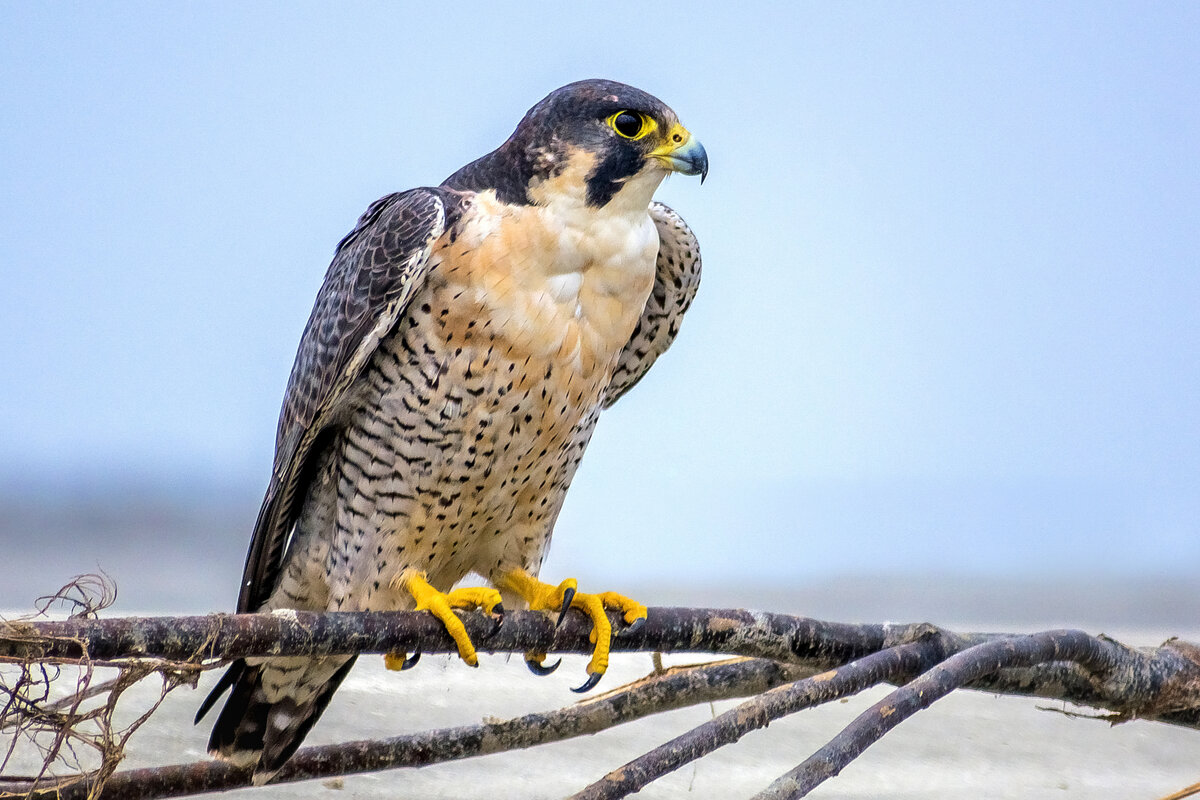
(547, 597)
(441, 605)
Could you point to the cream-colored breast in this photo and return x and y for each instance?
(564, 284)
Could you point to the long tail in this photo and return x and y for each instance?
(270, 710)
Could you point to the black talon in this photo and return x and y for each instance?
(540, 669)
(497, 617)
(634, 627)
(590, 683)
(410, 661)
(568, 596)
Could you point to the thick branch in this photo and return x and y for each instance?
(735, 632)
(1159, 683)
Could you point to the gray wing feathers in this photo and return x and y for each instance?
(374, 273)
(676, 279)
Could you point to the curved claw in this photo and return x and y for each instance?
(539, 669)
(568, 596)
(497, 621)
(410, 661)
(634, 626)
(590, 683)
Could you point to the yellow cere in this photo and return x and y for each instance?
(676, 138)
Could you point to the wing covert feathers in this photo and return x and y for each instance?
(374, 273)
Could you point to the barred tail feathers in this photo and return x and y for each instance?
(271, 708)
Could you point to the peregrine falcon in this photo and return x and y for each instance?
(459, 352)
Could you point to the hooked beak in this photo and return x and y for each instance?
(683, 153)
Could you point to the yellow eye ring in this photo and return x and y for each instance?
(631, 124)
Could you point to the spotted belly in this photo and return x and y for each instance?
(458, 457)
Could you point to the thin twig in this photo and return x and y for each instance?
(1187, 791)
(70, 701)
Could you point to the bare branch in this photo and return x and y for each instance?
(673, 689)
(287, 633)
(1152, 683)
(1157, 683)
(885, 666)
(1187, 791)
(1097, 656)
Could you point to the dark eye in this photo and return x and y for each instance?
(627, 123)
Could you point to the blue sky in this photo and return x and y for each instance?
(952, 262)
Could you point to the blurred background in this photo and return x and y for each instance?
(945, 363)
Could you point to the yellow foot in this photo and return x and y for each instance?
(400, 661)
(441, 605)
(546, 597)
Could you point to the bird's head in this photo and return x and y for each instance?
(595, 142)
